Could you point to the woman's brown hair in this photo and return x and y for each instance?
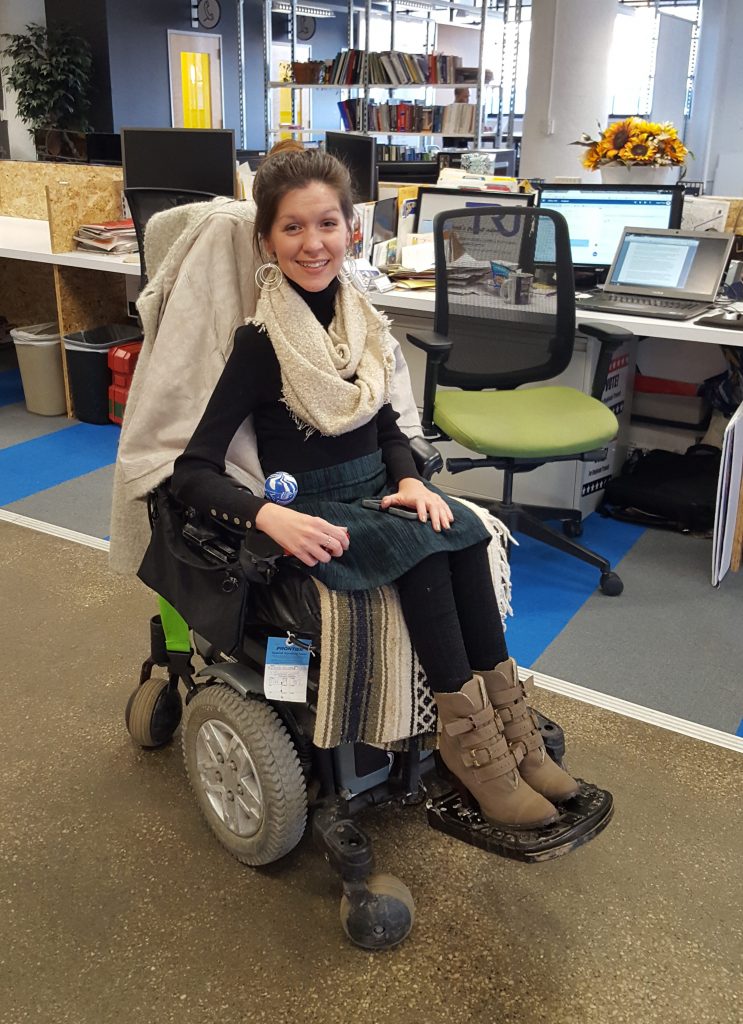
(289, 169)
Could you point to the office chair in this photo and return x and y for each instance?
(505, 317)
(144, 202)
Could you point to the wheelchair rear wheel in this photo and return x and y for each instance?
(245, 774)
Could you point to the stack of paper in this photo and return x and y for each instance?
(114, 236)
(726, 539)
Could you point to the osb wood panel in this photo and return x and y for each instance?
(71, 204)
(23, 184)
(27, 294)
(86, 299)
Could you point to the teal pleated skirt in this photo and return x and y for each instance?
(383, 547)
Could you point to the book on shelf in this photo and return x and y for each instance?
(349, 111)
(413, 116)
(392, 67)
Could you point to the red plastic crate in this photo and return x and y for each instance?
(122, 359)
(117, 397)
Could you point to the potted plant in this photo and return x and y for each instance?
(50, 72)
(635, 151)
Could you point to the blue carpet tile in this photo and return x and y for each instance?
(47, 461)
(549, 587)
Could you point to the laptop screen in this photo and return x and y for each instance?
(675, 264)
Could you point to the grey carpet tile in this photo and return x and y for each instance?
(17, 425)
(670, 642)
(106, 858)
(82, 504)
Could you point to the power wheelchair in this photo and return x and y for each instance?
(252, 765)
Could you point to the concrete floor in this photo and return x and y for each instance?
(117, 905)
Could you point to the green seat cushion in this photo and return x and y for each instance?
(530, 423)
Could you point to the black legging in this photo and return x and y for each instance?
(451, 612)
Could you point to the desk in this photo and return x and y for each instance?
(29, 240)
(422, 302)
(578, 485)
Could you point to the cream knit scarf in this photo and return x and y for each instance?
(332, 381)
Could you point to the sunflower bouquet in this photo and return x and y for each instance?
(634, 143)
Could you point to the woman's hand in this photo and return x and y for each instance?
(308, 538)
(412, 493)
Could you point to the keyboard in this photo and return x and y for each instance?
(644, 305)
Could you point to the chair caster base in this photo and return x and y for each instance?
(581, 819)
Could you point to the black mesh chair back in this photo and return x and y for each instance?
(504, 294)
(145, 202)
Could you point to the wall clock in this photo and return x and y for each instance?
(209, 12)
(305, 27)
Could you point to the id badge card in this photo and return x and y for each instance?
(286, 670)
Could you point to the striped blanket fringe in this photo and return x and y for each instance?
(372, 687)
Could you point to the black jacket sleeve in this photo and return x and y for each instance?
(199, 477)
(395, 447)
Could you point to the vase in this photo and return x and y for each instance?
(618, 174)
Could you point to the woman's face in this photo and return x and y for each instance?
(309, 236)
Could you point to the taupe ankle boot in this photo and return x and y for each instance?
(474, 749)
(508, 696)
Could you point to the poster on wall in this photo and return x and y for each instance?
(195, 68)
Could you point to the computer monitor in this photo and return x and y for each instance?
(435, 200)
(359, 154)
(202, 159)
(252, 157)
(413, 172)
(104, 148)
(598, 214)
(384, 225)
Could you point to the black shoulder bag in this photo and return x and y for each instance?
(203, 571)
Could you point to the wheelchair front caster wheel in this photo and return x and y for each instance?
(379, 916)
(610, 584)
(572, 528)
(153, 713)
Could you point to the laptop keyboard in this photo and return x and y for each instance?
(648, 301)
(644, 305)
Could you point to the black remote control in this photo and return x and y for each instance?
(393, 510)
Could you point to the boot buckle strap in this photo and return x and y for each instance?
(519, 751)
(479, 752)
(488, 753)
(505, 696)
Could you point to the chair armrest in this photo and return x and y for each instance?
(610, 338)
(437, 347)
(428, 459)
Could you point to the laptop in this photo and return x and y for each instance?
(665, 273)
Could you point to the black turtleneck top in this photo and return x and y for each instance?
(251, 384)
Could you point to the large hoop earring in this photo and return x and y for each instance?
(269, 277)
(348, 274)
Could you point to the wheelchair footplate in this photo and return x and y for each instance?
(581, 819)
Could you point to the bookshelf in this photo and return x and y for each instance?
(366, 64)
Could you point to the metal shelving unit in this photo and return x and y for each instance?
(362, 89)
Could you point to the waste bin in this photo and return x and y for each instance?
(40, 363)
(87, 368)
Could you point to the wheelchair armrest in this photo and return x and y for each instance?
(259, 555)
(428, 459)
(437, 348)
(610, 338)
